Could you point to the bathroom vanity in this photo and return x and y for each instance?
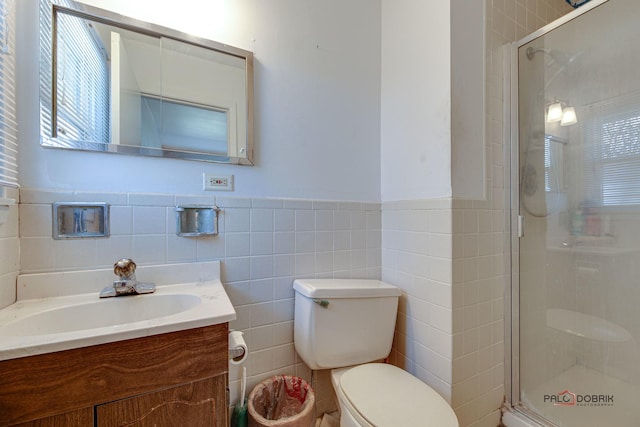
(73, 359)
(177, 378)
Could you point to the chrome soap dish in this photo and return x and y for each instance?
(196, 220)
(79, 220)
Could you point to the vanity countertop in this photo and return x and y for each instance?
(52, 315)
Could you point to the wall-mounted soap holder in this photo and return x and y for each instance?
(196, 220)
(77, 220)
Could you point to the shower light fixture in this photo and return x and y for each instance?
(560, 111)
(554, 114)
(568, 117)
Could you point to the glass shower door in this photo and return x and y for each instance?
(579, 199)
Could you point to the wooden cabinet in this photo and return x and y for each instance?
(191, 405)
(82, 417)
(148, 380)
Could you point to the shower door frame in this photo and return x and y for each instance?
(511, 137)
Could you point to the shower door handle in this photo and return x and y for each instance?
(520, 226)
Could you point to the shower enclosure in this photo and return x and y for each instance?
(575, 314)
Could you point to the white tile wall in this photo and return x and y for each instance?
(9, 248)
(478, 323)
(417, 256)
(263, 244)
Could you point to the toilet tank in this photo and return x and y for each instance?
(343, 322)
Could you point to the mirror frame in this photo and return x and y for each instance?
(48, 137)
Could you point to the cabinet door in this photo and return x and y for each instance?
(198, 404)
(79, 418)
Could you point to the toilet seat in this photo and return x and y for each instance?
(387, 396)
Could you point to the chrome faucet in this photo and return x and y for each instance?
(126, 284)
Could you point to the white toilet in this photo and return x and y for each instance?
(343, 325)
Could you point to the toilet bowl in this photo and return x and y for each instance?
(344, 325)
(382, 395)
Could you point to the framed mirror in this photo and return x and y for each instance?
(110, 83)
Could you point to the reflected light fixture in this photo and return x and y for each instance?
(568, 117)
(560, 111)
(555, 112)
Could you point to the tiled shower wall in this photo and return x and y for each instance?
(9, 248)
(263, 245)
(483, 370)
(507, 21)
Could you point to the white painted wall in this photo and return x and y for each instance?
(432, 129)
(317, 102)
(416, 100)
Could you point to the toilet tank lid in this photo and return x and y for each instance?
(344, 288)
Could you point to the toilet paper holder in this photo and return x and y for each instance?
(238, 350)
(235, 353)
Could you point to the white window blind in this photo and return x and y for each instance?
(82, 81)
(611, 174)
(554, 163)
(8, 125)
(82, 86)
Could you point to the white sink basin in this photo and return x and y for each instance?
(49, 316)
(99, 314)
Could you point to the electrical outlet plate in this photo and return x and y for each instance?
(215, 182)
